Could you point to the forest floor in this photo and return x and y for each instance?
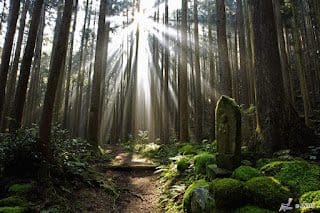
(137, 185)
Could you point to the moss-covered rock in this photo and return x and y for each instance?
(188, 150)
(210, 171)
(227, 192)
(252, 209)
(299, 175)
(20, 188)
(183, 164)
(312, 197)
(266, 192)
(187, 197)
(13, 201)
(201, 161)
(16, 209)
(201, 201)
(245, 173)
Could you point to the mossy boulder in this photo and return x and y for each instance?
(213, 172)
(299, 175)
(13, 201)
(210, 171)
(183, 164)
(201, 201)
(20, 188)
(188, 150)
(245, 173)
(311, 197)
(227, 192)
(252, 209)
(266, 192)
(188, 195)
(201, 161)
(16, 209)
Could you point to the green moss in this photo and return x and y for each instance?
(201, 161)
(266, 192)
(183, 164)
(252, 209)
(210, 173)
(20, 188)
(311, 197)
(13, 201)
(16, 209)
(245, 173)
(300, 176)
(188, 150)
(262, 162)
(189, 192)
(228, 192)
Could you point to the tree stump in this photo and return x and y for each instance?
(228, 133)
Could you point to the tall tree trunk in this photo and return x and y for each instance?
(7, 49)
(198, 98)
(282, 50)
(183, 76)
(15, 65)
(301, 63)
(69, 69)
(225, 86)
(20, 96)
(269, 83)
(58, 60)
(33, 93)
(166, 124)
(93, 125)
(243, 87)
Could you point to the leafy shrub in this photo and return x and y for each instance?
(266, 192)
(300, 176)
(188, 150)
(201, 161)
(183, 164)
(19, 153)
(245, 173)
(228, 192)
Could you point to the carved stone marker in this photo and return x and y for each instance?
(228, 133)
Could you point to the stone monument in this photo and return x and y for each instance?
(228, 133)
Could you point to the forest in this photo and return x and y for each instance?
(194, 106)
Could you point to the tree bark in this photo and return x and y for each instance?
(269, 84)
(20, 96)
(93, 125)
(58, 60)
(183, 76)
(224, 74)
(7, 49)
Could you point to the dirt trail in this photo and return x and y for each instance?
(139, 188)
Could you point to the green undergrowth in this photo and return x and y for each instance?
(191, 182)
(29, 178)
